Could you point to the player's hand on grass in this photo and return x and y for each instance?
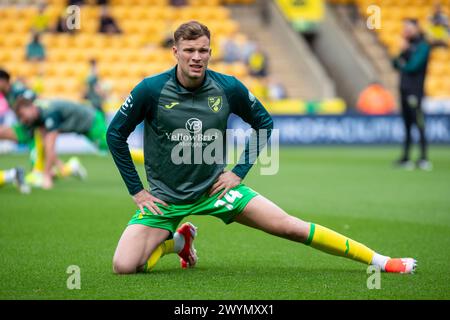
(144, 199)
(226, 181)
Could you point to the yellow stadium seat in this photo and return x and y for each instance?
(53, 69)
(5, 56)
(78, 56)
(76, 70)
(291, 106)
(124, 59)
(131, 56)
(22, 27)
(120, 13)
(94, 53)
(114, 42)
(50, 69)
(219, 13)
(15, 69)
(441, 54)
(143, 14)
(134, 41)
(16, 41)
(56, 54)
(165, 13)
(57, 2)
(111, 56)
(436, 68)
(107, 70)
(53, 86)
(24, 13)
(102, 41)
(54, 12)
(131, 26)
(90, 13)
(84, 40)
(17, 55)
(73, 85)
(332, 106)
(65, 40)
(49, 40)
(89, 26)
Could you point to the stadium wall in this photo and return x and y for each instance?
(350, 129)
(297, 130)
(311, 130)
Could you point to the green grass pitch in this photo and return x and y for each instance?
(352, 190)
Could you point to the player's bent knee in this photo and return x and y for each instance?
(295, 229)
(123, 267)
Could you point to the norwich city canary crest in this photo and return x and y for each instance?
(215, 103)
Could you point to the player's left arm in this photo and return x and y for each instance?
(249, 108)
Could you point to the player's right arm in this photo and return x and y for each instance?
(51, 158)
(50, 130)
(132, 112)
(418, 60)
(136, 108)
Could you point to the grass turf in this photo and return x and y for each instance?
(352, 190)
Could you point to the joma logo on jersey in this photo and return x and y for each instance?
(170, 106)
(215, 103)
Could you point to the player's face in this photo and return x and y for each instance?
(27, 115)
(4, 86)
(410, 30)
(193, 57)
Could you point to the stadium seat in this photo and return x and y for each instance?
(122, 59)
(17, 55)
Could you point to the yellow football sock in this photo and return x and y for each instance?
(137, 155)
(39, 150)
(164, 248)
(66, 171)
(7, 176)
(329, 241)
(169, 246)
(2, 178)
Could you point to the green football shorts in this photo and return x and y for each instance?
(97, 133)
(225, 209)
(23, 134)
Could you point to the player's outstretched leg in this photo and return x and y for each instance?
(20, 181)
(15, 176)
(263, 214)
(35, 179)
(73, 167)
